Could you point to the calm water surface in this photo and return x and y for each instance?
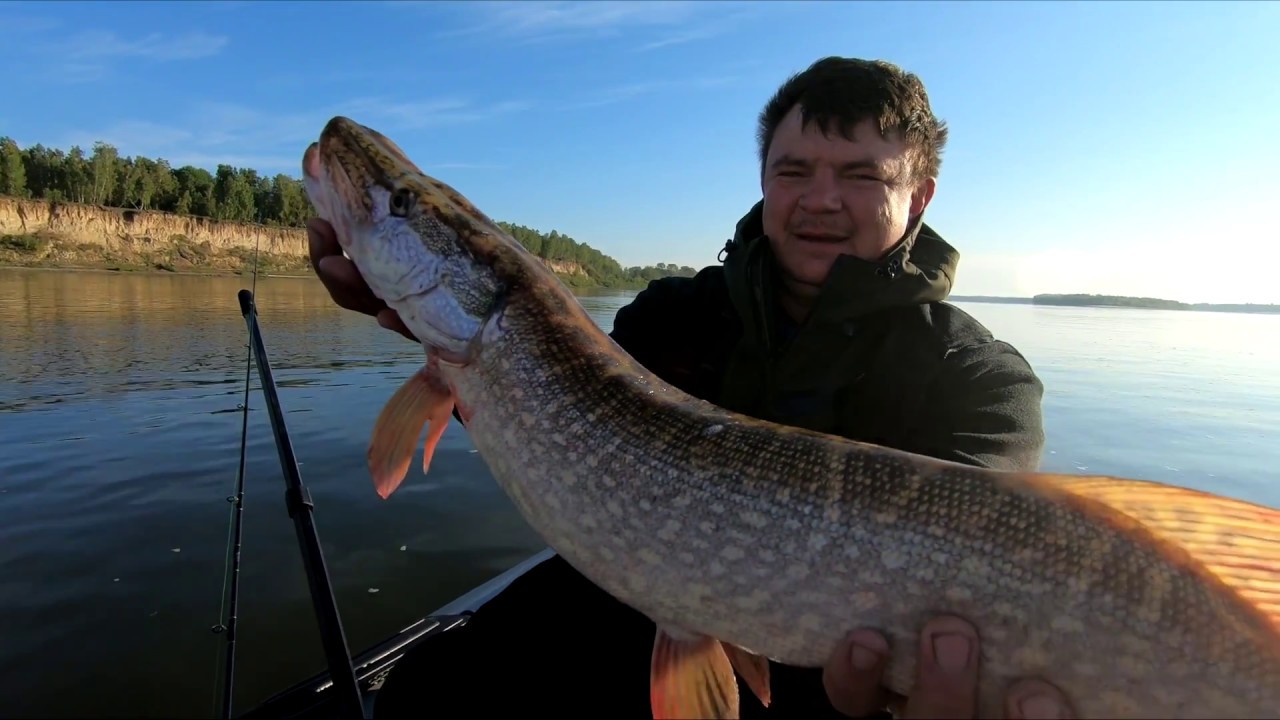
(119, 438)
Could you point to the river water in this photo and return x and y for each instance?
(119, 441)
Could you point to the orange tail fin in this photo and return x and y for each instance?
(1237, 542)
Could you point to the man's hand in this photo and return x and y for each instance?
(343, 281)
(946, 678)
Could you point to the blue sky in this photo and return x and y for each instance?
(1096, 147)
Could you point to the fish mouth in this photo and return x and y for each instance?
(345, 184)
(311, 167)
(334, 193)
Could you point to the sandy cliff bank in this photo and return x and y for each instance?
(39, 233)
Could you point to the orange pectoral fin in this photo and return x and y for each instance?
(691, 678)
(753, 668)
(436, 425)
(1236, 541)
(423, 398)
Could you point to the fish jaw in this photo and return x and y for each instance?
(390, 224)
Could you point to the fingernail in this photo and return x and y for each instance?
(1040, 707)
(951, 651)
(868, 649)
(864, 658)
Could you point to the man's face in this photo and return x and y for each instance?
(827, 196)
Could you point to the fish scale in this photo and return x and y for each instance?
(744, 539)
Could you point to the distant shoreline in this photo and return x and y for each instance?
(115, 269)
(1119, 302)
(583, 290)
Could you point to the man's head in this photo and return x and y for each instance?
(849, 153)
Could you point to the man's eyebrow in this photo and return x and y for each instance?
(859, 164)
(864, 164)
(785, 159)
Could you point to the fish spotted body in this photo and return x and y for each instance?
(744, 540)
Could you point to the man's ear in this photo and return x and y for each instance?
(922, 195)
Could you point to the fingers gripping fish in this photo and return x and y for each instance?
(745, 540)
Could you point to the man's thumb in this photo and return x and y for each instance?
(853, 674)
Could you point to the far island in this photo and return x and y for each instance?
(98, 210)
(1117, 301)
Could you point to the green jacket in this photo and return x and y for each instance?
(881, 359)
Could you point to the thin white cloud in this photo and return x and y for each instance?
(195, 144)
(650, 24)
(26, 24)
(216, 133)
(548, 21)
(76, 73)
(682, 38)
(89, 56)
(104, 44)
(710, 26)
(467, 166)
(631, 91)
(414, 115)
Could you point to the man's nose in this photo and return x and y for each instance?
(821, 194)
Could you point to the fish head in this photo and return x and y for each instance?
(421, 246)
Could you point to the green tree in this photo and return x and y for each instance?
(13, 173)
(233, 195)
(105, 170)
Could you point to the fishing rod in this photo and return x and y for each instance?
(231, 572)
(237, 534)
(299, 505)
(296, 500)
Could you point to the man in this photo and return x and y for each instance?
(827, 314)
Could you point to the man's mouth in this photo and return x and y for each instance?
(826, 238)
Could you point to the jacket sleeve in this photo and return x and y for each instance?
(986, 408)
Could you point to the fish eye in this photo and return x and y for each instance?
(401, 201)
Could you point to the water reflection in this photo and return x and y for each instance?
(119, 435)
(68, 336)
(119, 439)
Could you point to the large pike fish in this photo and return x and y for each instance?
(744, 540)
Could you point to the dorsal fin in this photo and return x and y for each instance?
(1236, 541)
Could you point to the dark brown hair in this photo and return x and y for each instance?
(839, 93)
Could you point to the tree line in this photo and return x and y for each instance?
(1081, 299)
(236, 194)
